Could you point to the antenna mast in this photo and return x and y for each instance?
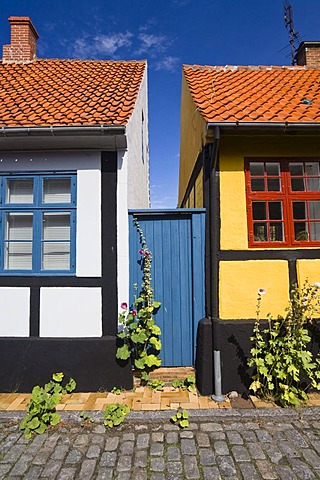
(293, 35)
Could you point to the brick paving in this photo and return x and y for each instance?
(219, 444)
(144, 399)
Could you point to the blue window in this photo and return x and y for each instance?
(38, 224)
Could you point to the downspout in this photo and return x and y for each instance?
(214, 247)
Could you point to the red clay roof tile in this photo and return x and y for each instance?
(69, 92)
(255, 93)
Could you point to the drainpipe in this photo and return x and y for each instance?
(214, 246)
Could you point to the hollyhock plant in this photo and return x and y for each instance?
(124, 306)
(137, 328)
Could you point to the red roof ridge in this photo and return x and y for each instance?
(79, 60)
(248, 67)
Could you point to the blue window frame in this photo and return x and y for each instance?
(38, 224)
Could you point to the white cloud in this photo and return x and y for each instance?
(167, 63)
(85, 46)
(151, 43)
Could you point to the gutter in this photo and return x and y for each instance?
(284, 126)
(213, 248)
(62, 131)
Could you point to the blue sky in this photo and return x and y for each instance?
(168, 33)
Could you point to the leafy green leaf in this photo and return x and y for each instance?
(123, 352)
(58, 377)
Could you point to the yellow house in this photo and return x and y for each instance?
(250, 154)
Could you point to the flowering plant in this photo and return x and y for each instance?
(280, 353)
(140, 334)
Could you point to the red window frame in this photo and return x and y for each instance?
(287, 197)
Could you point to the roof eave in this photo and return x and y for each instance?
(89, 137)
(264, 127)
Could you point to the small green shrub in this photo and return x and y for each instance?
(114, 414)
(86, 418)
(284, 366)
(189, 383)
(42, 405)
(156, 385)
(181, 418)
(117, 391)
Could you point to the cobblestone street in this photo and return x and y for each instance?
(269, 444)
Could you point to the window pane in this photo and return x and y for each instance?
(18, 255)
(274, 184)
(312, 168)
(297, 185)
(301, 231)
(315, 231)
(19, 190)
(299, 210)
(314, 209)
(259, 210)
(275, 210)
(57, 190)
(296, 169)
(19, 226)
(260, 232)
(273, 168)
(313, 184)
(56, 226)
(276, 232)
(55, 256)
(257, 185)
(257, 168)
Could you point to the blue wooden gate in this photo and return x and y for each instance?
(176, 240)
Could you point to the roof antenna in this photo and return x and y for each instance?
(293, 35)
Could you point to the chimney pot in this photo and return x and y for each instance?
(308, 53)
(23, 40)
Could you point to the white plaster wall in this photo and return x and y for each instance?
(138, 171)
(70, 312)
(89, 223)
(15, 311)
(88, 167)
(122, 228)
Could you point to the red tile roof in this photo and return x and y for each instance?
(68, 92)
(255, 94)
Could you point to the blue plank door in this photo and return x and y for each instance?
(176, 240)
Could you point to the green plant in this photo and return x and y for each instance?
(140, 335)
(86, 418)
(114, 414)
(181, 418)
(189, 383)
(156, 385)
(117, 391)
(284, 367)
(42, 405)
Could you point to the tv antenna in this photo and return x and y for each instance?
(293, 35)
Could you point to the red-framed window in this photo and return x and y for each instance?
(283, 202)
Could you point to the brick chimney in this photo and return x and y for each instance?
(308, 53)
(23, 39)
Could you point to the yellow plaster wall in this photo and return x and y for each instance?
(308, 269)
(233, 149)
(199, 190)
(192, 137)
(239, 282)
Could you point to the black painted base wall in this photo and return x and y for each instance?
(235, 348)
(26, 362)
